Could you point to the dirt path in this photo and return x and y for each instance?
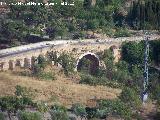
(148, 111)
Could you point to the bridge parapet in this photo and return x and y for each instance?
(24, 58)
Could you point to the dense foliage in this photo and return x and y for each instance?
(113, 107)
(145, 15)
(67, 62)
(130, 97)
(25, 24)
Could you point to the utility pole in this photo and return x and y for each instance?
(145, 82)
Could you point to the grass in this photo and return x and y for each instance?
(67, 91)
(46, 76)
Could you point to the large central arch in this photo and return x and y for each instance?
(95, 62)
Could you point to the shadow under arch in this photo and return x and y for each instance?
(93, 58)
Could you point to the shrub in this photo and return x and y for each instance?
(2, 116)
(91, 80)
(24, 92)
(52, 56)
(113, 107)
(108, 31)
(122, 32)
(91, 112)
(108, 59)
(42, 107)
(41, 61)
(67, 62)
(46, 75)
(122, 76)
(59, 113)
(23, 115)
(79, 110)
(129, 75)
(130, 97)
(78, 35)
(13, 103)
(36, 69)
(122, 72)
(88, 79)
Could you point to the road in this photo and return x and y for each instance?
(47, 44)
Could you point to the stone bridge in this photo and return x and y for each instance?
(24, 56)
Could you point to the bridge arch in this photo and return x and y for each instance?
(95, 62)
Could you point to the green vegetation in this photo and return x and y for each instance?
(130, 97)
(113, 107)
(52, 56)
(132, 52)
(38, 69)
(42, 107)
(12, 104)
(67, 62)
(24, 115)
(144, 15)
(25, 24)
(122, 32)
(24, 92)
(59, 113)
(91, 80)
(85, 65)
(2, 116)
(127, 74)
(155, 52)
(79, 110)
(46, 76)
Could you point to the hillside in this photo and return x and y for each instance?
(63, 90)
(30, 24)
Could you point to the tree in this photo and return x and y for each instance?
(13, 30)
(93, 24)
(108, 59)
(133, 52)
(67, 62)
